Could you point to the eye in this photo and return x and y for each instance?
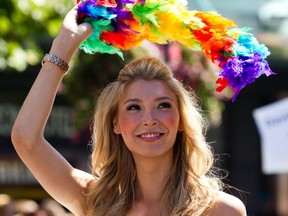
(164, 105)
(133, 107)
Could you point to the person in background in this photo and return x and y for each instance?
(149, 154)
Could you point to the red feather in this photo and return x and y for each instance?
(223, 83)
(106, 3)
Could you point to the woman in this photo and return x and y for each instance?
(150, 156)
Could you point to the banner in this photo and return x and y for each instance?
(272, 123)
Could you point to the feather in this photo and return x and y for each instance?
(123, 24)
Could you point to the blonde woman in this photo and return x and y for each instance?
(149, 155)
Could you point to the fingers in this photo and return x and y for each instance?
(71, 34)
(85, 30)
(71, 25)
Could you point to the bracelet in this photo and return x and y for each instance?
(57, 61)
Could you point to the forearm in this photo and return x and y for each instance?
(32, 118)
(37, 106)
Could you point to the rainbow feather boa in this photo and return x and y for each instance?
(123, 24)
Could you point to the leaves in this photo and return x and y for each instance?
(26, 27)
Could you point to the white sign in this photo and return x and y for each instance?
(272, 124)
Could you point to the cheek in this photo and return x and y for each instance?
(171, 119)
(128, 123)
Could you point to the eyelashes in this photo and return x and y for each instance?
(165, 105)
(162, 105)
(133, 107)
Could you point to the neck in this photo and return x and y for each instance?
(152, 174)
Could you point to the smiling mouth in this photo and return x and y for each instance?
(151, 135)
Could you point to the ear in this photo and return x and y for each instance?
(116, 127)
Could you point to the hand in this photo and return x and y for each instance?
(70, 36)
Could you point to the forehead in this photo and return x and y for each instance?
(148, 89)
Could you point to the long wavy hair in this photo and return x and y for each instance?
(191, 186)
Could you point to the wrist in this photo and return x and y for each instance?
(56, 61)
(64, 48)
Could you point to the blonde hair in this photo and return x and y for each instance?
(189, 189)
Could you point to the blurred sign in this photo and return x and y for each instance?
(60, 123)
(272, 123)
(14, 172)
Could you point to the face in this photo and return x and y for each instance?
(148, 118)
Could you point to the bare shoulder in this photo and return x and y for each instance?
(83, 178)
(227, 205)
(77, 203)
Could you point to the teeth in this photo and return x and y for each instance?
(150, 135)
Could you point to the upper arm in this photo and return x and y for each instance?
(64, 183)
(227, 205)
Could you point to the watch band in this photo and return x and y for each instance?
(57, 61)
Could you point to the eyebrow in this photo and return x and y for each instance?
(139, 100)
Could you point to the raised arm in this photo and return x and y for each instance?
(64, 183)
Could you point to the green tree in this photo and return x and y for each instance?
(26, 27)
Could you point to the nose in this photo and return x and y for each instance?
(149, 118)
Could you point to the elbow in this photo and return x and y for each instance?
(21, 137)
(17, 136)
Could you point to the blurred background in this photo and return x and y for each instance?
(27, 28)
